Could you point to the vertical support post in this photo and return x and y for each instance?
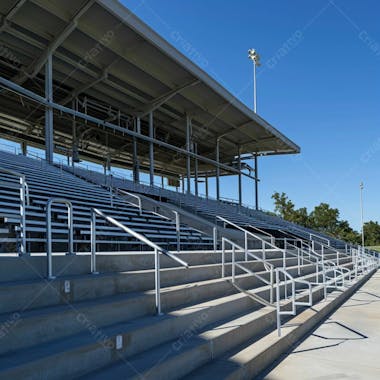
(278, 303)
(233, 264)
(49, 244)
(246, 245)
(217, 170)
(256, 183)
(178, 230)
(151, 150)
(49, 148)
(93, 243)
(239, 178)
(157, 281)
(215, 238)
(206, 185)
(196, 171)
(23, 215)
(223, 256)
(24, 148)
(136, 165)
(188, 146)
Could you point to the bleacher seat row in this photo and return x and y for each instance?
(46, 181)
(208, 208)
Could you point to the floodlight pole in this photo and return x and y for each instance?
(255, 58)
(361, 211)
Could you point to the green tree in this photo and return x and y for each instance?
(372, 233)
(325, 219)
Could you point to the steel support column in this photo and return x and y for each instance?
(49, 147)
(188, 146)
(239, 178)
(206, 186)
(136, 165)
(24, 148)
(151, 150)
(196, 170)
(217, 170)
(256, 183)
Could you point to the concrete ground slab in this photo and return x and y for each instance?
(345, 346)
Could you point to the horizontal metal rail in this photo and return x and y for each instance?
(235, 264)
(157, 250)
(139, 202)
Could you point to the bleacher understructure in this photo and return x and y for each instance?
(104, 277)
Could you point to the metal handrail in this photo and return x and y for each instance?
(242, 267)
(319, 237)
(139, 202)
(157, 250)
(49, 204)
(294, 303)
(24, 200)
(263, 242)
(272, 238)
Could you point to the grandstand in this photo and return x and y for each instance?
(104, 276)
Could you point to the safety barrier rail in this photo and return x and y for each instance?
(49, 247)
(24, 200)
(268, 266)
(157, 250)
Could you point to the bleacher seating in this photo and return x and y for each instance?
(208, 208)
(46, 181)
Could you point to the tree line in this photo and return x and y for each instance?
(325, 219)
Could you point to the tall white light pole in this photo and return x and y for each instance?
(361, 211)
(255, 58)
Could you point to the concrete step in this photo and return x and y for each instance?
(193, 349)
(50, 323)
(26, 295)
(97, 347)
(250, 360)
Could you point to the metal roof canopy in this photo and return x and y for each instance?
(103, 52)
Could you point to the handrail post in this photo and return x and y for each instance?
(178, 229)
(23, 215)
(69, 205)
(215, 238)
(271, 286)
(157, 281)
(233, 264)
(93, 243)
(278, 302)
(246, 245)
(223, 258)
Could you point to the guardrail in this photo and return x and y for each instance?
(268, 266)
(157, 250)
(247, 233)
(24, 200)
(49, 247)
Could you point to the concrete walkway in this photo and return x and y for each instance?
(346, 346)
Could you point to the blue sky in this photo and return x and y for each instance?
(319, 84)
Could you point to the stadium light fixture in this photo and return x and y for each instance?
(254, 56)
(361, 210)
